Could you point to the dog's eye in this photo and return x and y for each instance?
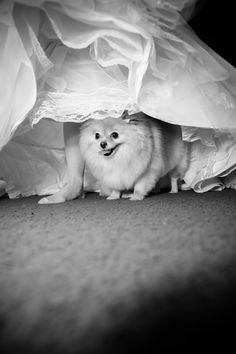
(114, 135)
(97, 136)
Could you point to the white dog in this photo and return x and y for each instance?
(132, 153)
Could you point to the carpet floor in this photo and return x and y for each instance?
(97, 276)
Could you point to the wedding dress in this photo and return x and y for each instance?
(71, 60)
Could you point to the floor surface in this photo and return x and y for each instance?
(97, 276)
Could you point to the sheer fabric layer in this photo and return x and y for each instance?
(92, 59)
(134, 55)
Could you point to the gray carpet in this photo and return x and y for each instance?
(97, 276)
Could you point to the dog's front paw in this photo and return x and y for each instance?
(111, 197)
(114, 195)
(135, 197)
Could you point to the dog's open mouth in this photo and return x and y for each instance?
(110, 152)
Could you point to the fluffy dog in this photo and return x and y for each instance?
(132, 153)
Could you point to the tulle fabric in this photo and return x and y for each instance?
(115, 54)
(71, 60)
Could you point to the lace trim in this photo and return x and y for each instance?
(77, 108)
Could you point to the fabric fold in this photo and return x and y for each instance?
(78, 60)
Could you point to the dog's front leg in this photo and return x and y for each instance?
(75, 167)
(145, 184)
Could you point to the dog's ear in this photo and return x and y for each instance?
(131, 119)
(125, 115)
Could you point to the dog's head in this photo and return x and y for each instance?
(108, 136)
(103, 136)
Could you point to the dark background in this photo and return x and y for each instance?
(214, 23)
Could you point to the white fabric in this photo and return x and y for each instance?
(71, 60)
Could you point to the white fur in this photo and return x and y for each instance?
(147, 150)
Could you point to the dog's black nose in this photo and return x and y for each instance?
(103, 144)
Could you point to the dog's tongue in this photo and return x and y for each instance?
(108, 152)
